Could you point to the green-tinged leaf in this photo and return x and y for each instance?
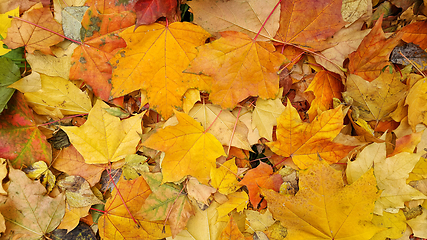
(20, 140)
(9, 73)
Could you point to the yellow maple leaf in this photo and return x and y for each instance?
(104, 138)
(240, 67)
(305, 141)
(189, 150)
(154, 60)
(376, 99)
(224, 177)
(326, 209)
(236, 200)
(417, 103)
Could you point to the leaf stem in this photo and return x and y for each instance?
(415, 66)
(46, 29)
(207, 129)
(271, 13)
(234, 130)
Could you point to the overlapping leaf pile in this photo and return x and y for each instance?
(259, 120)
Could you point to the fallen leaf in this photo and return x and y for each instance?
(259, 221)
(154, 61)
(324, 208)
(5, 23)
(70, 161)
(416, 33)
(134, 166)
(391, 174)
(265, 115)
(28, 211)
(410, 54)
(55, 66)
(344, 42)
(21, 141)
(3, 174)
(40, 171)
(231, 231)
(325, 86)
(203, 225)
(9, 74)
(246, 16)
(72, 217)
(189, 150)
(419, 225)
(222, 124)
(148, 11)
(198, 191)
(372, 55)
(417, 103)
(117, 222)
(352, 10)
(23, 5)
(236, 200)
(377, 99)
(101, 42)
(166, 202)
(111, 6)
(104, 138)
(57, 93)
(395, 225)
(78, 192)
(364, 161)
(240, 67)
(304, 142)
(321, 20)
(34, 38)
(224, 178)
(260, 177)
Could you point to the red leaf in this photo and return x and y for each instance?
(20, 140)
(148, 11)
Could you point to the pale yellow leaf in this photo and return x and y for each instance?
(265, 116)
(104, 138)
(58, 93)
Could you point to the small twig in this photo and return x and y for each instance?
(271, 13)
(415, 66)
(207, 129)
(234, 130)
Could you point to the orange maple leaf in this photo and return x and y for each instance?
(260, 177)
(324, 209)
(372, 55)
(189, 150)
(305, 141)
(325, 86)
(117, 223)
(416, 33)
(240, 67)
(89, 61)
(154, 61)
(34, 38)
(308, 22)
